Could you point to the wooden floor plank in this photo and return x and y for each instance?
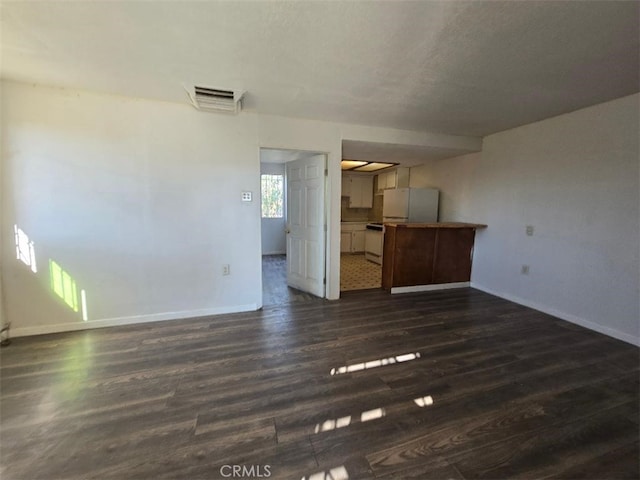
(513, 393)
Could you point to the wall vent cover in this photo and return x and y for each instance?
(210, 99)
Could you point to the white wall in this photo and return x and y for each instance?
(575, 178)
(274, 240)
(138, 201)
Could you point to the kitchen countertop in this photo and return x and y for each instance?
(437, 225)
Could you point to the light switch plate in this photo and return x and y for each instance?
(247, 196)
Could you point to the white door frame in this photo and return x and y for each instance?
(326, 209)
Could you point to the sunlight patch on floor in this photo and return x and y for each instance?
(375, 363)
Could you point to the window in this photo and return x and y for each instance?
(272, 196)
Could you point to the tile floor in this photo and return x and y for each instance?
(358, 273)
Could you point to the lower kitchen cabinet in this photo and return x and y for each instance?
(357, 241)
(352, 236)
(345, 242)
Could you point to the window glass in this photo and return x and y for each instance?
(272, 196)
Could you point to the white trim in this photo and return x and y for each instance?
(113, 322)
(429, 288)
(611, 332)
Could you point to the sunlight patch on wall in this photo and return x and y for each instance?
(63, 285)
(83, 300)
(25, 250)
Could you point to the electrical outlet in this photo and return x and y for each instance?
(524, 270)
(247, 196)
(529, 230)
(226, 269)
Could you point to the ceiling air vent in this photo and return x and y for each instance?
(216, 99)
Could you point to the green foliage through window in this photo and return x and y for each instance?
(272, 196)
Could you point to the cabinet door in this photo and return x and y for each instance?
(453, 255)
(361, 194)
(356, 192)
(367, 192)
(355, 199)
(346, 186)
(391, 179)
(357, 241)
(345, 242)
(382, 181)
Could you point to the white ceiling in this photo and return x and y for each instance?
(465, 68)
(405, 155)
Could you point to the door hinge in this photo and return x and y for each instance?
(324, 281)
(326, 172)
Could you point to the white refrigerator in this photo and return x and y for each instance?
(419, 205)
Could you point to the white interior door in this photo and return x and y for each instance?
(305, 225)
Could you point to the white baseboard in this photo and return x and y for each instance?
(611, 332)
(113, 322)
(429, 288)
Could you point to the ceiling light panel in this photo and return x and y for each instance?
(374, 166)
(350, 164)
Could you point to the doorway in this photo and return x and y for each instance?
(293, 219)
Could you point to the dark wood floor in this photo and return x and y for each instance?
(487, 389)
(275, 290)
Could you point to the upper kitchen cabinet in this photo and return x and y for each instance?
(398, 178)
(359, 189)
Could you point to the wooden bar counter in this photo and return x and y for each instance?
(427, 256)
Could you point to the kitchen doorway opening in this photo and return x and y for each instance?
(361, 232)
(293, 219)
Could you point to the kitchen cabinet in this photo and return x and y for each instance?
(383, 180)
(346, 186)
(398, 178)
(352, 237)
(359, 189)
(357, 241)
(345, 242)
